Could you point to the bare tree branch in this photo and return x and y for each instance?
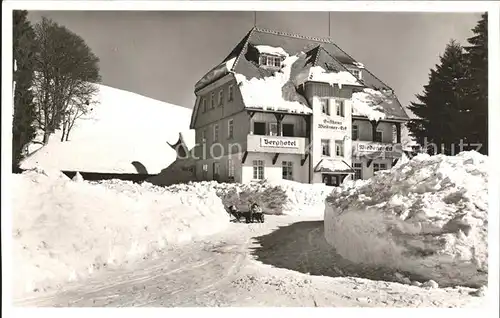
(65, 69)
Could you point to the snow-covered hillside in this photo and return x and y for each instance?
(123, 128)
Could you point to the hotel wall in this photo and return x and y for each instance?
(367, 172)
(325, 133)
(274, 172)
(365, 130)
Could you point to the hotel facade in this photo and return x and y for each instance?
(285, 106)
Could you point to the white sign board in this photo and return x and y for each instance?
(374, 147)
(333, 125)
(279, 143)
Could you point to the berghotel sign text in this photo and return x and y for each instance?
(279, 143)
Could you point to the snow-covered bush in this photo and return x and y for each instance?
(284, 197)
(427, 216)
(64, 230)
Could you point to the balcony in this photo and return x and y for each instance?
(374, 150)
(276, 144)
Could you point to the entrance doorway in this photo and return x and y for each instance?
(216, 171)
(331, 179)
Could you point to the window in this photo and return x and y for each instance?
(269, 60)
(358, 171)
(230, 93)
(378, 136)
(325, 146)
(325, 106)
(356, 73)
(204, 101)
(339, 107)
(203, 135)
(212, 100)
(339, 148)
(287, 171)
(355, 132)
(205, 171)
(288, 130)
(259, 128)
(230, 128)
(258, 169)
(273, 129)
(230, 169)
(379, 166)
(262, 59)
(216, 132)
(277, 62)
(221, 97)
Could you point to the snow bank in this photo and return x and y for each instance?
(122, 129)
(368, 103)
(284, 197)
(65, 230)
(427, 216)
(318, 74)
(266, 93)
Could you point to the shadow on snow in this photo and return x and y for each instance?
(302, 247)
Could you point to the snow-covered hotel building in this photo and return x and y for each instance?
(285, 106)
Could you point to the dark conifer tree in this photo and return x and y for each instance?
(24, 46)
(441, 108)
(476, 84)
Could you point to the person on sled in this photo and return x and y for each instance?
(256, 213)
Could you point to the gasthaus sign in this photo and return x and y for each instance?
(279, 143)
(332, 124)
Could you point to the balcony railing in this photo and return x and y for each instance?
(276, 144)
(376, 149)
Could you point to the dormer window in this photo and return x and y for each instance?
(270, 60)
(357, 73)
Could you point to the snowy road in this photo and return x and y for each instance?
(284, 262)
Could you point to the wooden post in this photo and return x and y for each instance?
(279, 119)
(374, 128)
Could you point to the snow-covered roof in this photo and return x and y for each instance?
(230, 64)
(369, 103)
(317, 59)
(333, 165)
(266, 93)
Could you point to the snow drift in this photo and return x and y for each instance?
(284, 197)
(123, 128)
(427, 217)
(64, 230)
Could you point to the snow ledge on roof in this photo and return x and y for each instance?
(359, 65)
(368, 103)
(271, 50)
(318, 74)
(230, 64)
